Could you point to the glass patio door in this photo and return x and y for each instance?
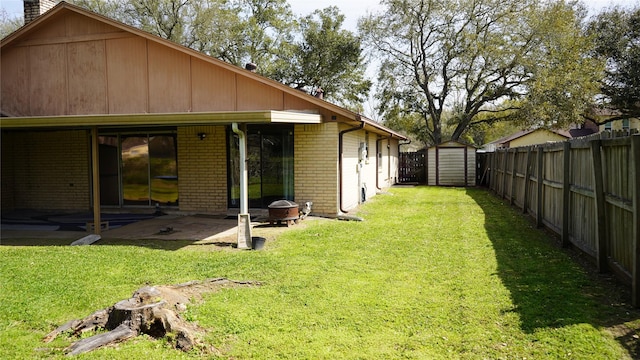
(147, 171)
(270, 165)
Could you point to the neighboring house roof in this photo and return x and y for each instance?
(267, 115)
(502, 142)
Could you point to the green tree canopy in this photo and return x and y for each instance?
(8, 24)
(457, 64)
(236, 31)
(617, 39)
(326, 58)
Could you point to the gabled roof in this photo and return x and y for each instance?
(452, 143)
(523, 133)
(64, 7)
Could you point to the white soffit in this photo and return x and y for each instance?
(169, 119)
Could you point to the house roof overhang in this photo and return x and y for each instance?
(166, 119)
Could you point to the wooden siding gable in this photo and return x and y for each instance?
(70, 63)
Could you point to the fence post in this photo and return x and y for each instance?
(540, 184)
(635, 173)
(492, 156)
(527, 174)
(566, 191)
(512, 199)
(504, 173)
(598, 190)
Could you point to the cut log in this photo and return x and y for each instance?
(87, 240)
(154, 311)
(121, 333)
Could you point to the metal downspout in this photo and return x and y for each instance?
(244, 220)
(340, 150)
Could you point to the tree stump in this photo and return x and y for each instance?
(154, 311)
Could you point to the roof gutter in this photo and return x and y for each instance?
(340, 153)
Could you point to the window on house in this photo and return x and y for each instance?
(607, 126)
(625, 124)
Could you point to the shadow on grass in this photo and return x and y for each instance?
(551, 287)
(169, 245)
(164, 233)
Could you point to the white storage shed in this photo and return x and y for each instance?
(451, 164)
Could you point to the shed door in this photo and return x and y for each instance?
(451, 166)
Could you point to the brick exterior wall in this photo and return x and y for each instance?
(35, 8)
(202, 169)
(46, 170)
(51, 170)
(316, 167)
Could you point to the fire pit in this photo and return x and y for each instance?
(283, 210)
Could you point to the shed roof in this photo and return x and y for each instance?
(452, 143)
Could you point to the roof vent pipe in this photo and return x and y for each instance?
(320, 93)
(251, 67)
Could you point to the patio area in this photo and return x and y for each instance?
(197, 229)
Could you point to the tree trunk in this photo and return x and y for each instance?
(154, 311)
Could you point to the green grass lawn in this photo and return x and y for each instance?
(431, 273)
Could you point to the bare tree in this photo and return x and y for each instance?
(456, 64)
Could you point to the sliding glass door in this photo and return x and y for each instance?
(270, 165)
(143, 172)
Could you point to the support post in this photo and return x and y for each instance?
(504, 173)
(600, 210)
(566, 191)
(95, 173)
(635, 174)
(244, 219)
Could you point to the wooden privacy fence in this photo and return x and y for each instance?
(586, 190)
